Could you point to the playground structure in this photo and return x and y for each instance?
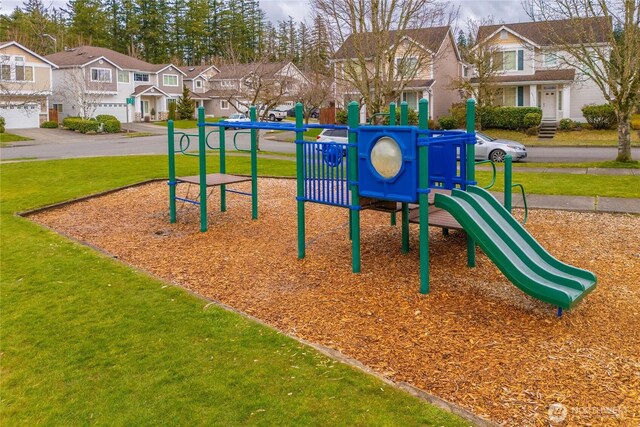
(427, 176)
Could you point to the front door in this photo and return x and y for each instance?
(144, 108)
(548, 104)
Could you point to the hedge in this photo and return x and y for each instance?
(105, 117)
(49, 125)
(532, 120)
(600, 116)
(81, 125)
(447, 122)
(111, 126)
(506, 117)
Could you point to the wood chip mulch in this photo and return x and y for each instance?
(475, 340)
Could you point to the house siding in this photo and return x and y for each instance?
(446, 71)
(111, 86)
(170, 89)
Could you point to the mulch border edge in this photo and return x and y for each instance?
(326, 351)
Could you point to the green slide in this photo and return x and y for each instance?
(516, 253)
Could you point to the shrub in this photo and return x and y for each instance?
(532, 131)
(105, 117)
(506, 117)
(412, 117)
(341, 116)
(433, 125)
(172, 111)
(600, 116)
(459, 113)
(567, 125)
(2, 123)
(635, 122)
(111, 126)
(71, 123)
(447, 122)
(532, 120)
(186, 107)
(49, 125)
(85, 126)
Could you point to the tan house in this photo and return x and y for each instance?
(532, 72)
(235, 86)
(25, 86)
(93, 80)
(426, 61)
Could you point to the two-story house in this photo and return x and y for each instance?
(93, 80)
(530, 69)
(196, 79)
(429, 55)
(25, 86)
(237, 86)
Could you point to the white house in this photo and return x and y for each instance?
(532, 72)
(25, 86)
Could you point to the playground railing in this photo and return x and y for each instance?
(326, 172)
(495, 172)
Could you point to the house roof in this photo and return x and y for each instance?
(142, 89)
(82, 55)
(416, 84)
(191, 72)
(430, 38)
(539, 76)
(13, 42)
(238, 71)
(546, 33)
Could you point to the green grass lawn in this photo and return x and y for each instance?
(594, 138)
(87, 340)
(6, 138)
(187, 124)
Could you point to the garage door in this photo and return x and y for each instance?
(115, 109)
(21, 117)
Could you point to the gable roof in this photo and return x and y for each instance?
(430, 38)
(545, 33)
(191, 72)
(142, 89)
(238, 71)
(83, 55)
(15, 43)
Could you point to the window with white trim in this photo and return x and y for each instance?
(5, 72)
(170, 80)
(224, 104)
(550, 60)
(504, 34)
(140, 77)
(198, 84)
(123, 76)
(58, 107)
(101, 75)
(509, 60)
(407, 67)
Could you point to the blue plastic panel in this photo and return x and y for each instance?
(401, 188)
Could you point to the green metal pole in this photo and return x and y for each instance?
(223, 167)
(404, 121)
(508, 182)
(202, 155)
(392, 122)
(353, 121)
(471, 173)
(300, 180)
(254, 165)
(172, 173)
(423, 198)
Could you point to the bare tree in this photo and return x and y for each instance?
(315, 94)
(76, 89)
(602, 44)
(379, 51)
(482, 69)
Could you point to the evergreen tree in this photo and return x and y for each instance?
(154, 38)
(186, 106)
(87, 22)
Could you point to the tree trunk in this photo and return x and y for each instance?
(624, 139)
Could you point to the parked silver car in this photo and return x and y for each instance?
(489, 148)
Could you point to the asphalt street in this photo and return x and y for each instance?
(59, 144)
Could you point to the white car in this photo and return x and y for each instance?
(237, 118)
(339, 136)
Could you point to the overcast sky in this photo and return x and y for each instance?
(502, 10)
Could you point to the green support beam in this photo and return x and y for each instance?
(404, 121)
(172, 172)
(353, 120)
(300, 180)
(254, 165)
(202, 155)
(471, 173)
(423, 198)
(223, 167)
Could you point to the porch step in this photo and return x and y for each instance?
(547, 129)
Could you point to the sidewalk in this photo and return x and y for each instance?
(572, 171)
(576, 203)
